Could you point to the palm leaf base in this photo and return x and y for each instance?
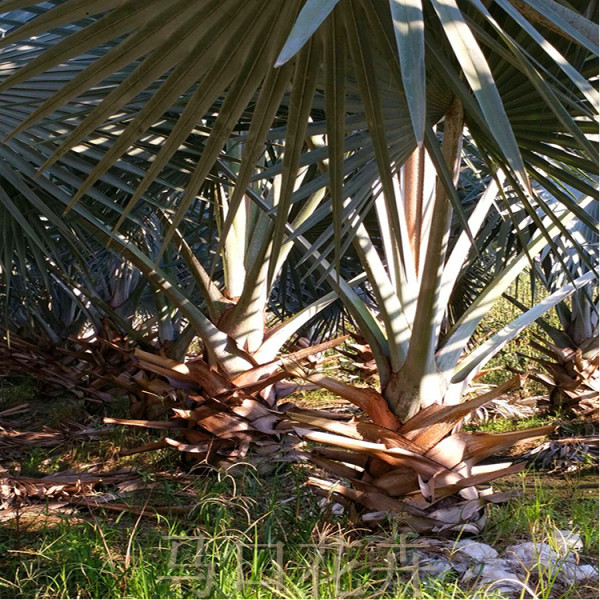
(216, 421)
(429, 478)
(420, 471)
(571, 375)
(84, 368)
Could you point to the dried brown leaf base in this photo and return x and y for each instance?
(571, 375)
(422, 474)
(84, 368)
(420, 471)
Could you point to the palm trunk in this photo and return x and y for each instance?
(418, 384)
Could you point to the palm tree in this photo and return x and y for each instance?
(341, 126)
(569, 351)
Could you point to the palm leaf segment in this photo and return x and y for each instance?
(154, 55)
(145, 78)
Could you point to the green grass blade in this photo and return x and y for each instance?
(475, 361)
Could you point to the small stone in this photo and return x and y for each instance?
(422, 541)
(375, 517)
(433, 566)
(475, 550)
(337, 509)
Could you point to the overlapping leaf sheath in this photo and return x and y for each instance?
(84, 368)
(419, 470)
(571, 375)
(216, 420)
(565, 455)
(17, 489)
(422, 469)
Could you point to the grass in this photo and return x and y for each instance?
(253, 536)
(14, 390)
(512, 355)
(563, 501)
(257, 538)
(501, 425)
(550, 503)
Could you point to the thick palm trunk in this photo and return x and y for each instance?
(418, 384)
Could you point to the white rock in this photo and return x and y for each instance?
(495, 574)
(475, 550)
(462, 566)
(565, 567)
(433, 566)
(587, 572)
(529, 555)
(571, 572)
(565, 541)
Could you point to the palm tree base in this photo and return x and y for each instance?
(418, 471)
